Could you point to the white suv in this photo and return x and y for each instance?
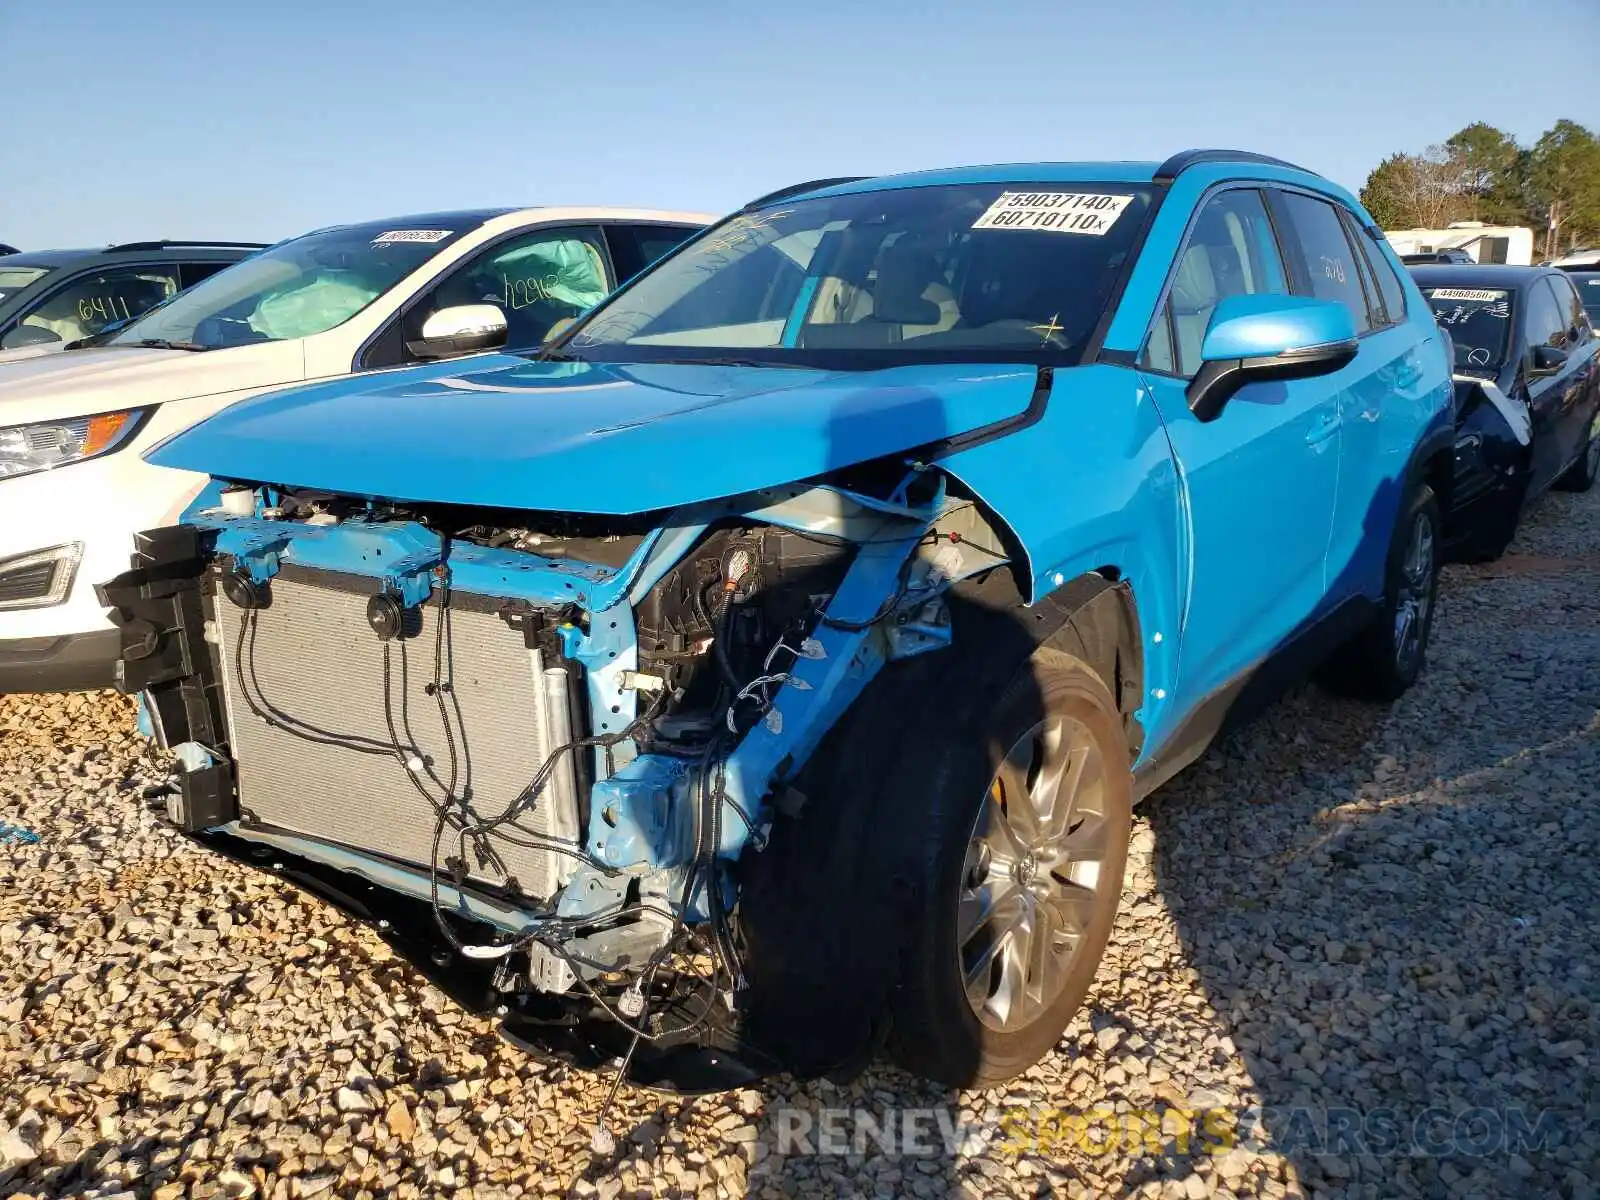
(73, 485)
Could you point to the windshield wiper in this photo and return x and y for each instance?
(164, 344)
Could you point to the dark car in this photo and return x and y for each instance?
(1588, 285)
(57, 297)
(1527, 394)
(1431, 257)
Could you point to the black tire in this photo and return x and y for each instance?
(936, 1031)
(1580, 476)
(1382, 661)
(840, 915)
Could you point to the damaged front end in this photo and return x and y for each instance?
(536, 749)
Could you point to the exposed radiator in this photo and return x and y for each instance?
(314, 659)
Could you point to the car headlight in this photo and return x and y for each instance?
(44, 445)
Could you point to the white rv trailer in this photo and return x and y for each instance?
(1484, 243)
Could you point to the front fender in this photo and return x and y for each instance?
(1092, 485)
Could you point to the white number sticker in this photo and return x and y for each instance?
(1465, 294)
(411, 235)
(1057, 212)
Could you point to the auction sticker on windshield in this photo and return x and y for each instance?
(1058, 212)
(411, 235)
(1466, 294)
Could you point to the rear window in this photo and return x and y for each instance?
(14, 279)
(1477, 319)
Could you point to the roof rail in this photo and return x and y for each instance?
(814, 185)
(165, 243)
(1184, 159)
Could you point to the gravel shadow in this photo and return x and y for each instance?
(1391, 910)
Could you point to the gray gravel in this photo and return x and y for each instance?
(1344, 908)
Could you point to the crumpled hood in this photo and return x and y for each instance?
(591, 438)
(105, 378)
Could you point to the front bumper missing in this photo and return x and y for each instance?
(571, 1030)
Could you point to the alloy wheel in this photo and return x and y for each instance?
(1032, 880)
(1414, 599)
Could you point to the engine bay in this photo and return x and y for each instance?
(557, 733)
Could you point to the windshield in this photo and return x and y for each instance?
(14, 279)
(295, 289)
(971, 272)
(1478, 321)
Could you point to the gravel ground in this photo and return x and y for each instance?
(1344, 918)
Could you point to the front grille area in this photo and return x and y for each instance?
(314, 659)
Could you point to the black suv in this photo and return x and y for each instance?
(68, 295)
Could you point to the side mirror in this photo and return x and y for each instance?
(1264, 337)
(28, 335)
(1547, 360)
(460, 329)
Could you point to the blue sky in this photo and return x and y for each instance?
(258, 121)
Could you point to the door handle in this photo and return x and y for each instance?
(1323, 428)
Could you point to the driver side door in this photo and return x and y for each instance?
(1259, 480)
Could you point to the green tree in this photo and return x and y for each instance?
(1563, 182)
(1486, 161)
(1386, 193)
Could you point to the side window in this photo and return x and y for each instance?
(1544, 322)
(89, 303)
(536, 279)
(635, 247)
(1567, 297)
(1361, 244)
(1231, 251)
(1328, 262)
(1389, 285)
(192, 273)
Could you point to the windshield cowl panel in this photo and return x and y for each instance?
(296, 289)
(987, 272)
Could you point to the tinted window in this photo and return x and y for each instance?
(536, 279)
(1366, 253)
(1330, 266)
(1478, 321)
(1389, 286)
(1588, 285)
(89, 303)
(1231, 251)
(962, 272)
(636, 247)
(1545, 322)
(1567, 297)
(192, 273)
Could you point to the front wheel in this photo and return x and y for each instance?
(1580, 476)
(1385, 659)
(1022, 859)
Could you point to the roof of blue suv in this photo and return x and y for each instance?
(1119, 171)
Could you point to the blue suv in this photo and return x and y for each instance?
(761, 674)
